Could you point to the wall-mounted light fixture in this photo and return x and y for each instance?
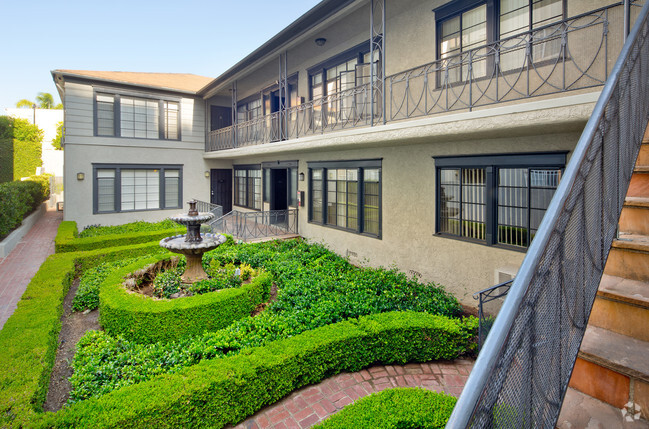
(81, 176)
(320, 41)
(301, 177)
(207, 174)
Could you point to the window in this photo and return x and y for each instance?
(346, 195)
(247, 186)
(247, 111)
(496, 200)
(134, 117)
(463, 27)
(120, 188)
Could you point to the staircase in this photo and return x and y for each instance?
(613, 362)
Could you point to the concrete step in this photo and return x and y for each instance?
(613, 368)
(622, 306)
(582, 411)
(629, 257)
(635, 216)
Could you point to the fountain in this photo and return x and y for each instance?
(193, 244)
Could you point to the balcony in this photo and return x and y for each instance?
(574, 54)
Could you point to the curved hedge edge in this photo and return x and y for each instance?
(225, 391)
(29, 338)
(66, 242)
(145, 320)
(400, 407)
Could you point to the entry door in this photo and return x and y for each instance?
(221, 188)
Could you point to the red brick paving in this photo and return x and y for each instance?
(312, 404)
(18, 268)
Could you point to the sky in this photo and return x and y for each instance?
(188, 36)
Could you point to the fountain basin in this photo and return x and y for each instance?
(193, 251)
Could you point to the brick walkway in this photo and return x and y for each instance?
(18, 268)
(312, 404)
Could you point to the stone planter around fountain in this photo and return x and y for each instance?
(193, 244)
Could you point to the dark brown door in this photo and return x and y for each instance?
(221, 186)
(220, 117)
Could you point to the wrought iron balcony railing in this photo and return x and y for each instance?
(254, 225)
(573, 54)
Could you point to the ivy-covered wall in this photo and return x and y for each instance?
(6, 149)
(27, 140)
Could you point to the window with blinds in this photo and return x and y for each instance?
(247, 187)
(346, 196)
(120, 188)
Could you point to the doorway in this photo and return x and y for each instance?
(221, 188)
(278, 189)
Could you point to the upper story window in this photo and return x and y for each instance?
(345, 71)
(249, 110)
(134, 117)
(464, 26)
(498, 199)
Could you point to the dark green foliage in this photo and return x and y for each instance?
(400, 408)
(67, 239)
(6, 149)
(167, 283)
(127, 228)
(225, 391)
(27, 148)
(17, 200)
(146, 320)
(317, 288)
(28, 340)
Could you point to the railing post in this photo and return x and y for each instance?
(234, 114)
(627, 18)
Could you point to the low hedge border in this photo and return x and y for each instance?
(29, 338)
(219, 392)
(146, 320)
(67, 241)
(399, 408)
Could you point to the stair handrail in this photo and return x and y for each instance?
(521, 376)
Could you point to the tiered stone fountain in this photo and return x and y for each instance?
(193, 244)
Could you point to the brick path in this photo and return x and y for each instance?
(18, 268)
(312, 404)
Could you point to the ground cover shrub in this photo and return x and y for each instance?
(399, 408)
(87, 296)
(28, 340)
(225, 391)
(68, 240)
(143, 319)
(316, 288)
(139, 226)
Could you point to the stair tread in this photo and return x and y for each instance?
(641, 202)
(632, 242)
(618, 352)
(620, 289)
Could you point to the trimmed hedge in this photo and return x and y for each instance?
(17, 200)
(399, 408)
(6, 149)
(27, 142)
(225, 391)
(66, 239)
(28, 340)
(145, 320)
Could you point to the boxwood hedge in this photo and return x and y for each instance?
(399, 408)
(28, 340)
(67, 239)
(219, 392)
(145, 320)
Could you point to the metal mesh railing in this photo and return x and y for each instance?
(521, 375)
(204, 207)
(253, 225)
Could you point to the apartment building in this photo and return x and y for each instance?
(429, 135)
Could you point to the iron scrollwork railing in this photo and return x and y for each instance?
(564, 56)
(253, 225)
(521, 375)
(487, 311)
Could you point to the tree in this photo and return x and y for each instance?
(45, 100)
(59, 136)
(25, 103)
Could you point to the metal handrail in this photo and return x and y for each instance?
(567, 55)
(204, 207)
(484, 297)
(253, 225)
(521, 376)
